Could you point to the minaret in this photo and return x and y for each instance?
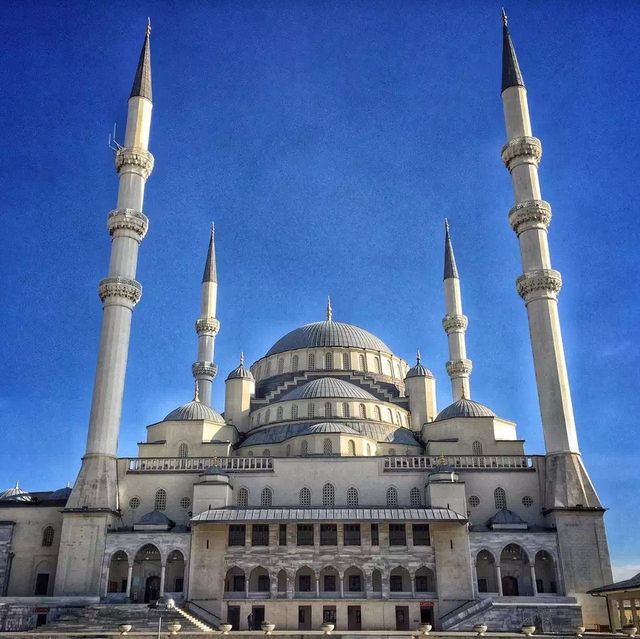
(539, 286)
(207, 326)
(94, 499)
(455, 325)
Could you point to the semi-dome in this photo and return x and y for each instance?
(327, 387)
(15, 494)
(464, 408)
(194, 410)
(328, 333)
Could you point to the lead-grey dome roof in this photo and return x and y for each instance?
(15, 494)
(464, 408)
(327, 387)
(505, 517)
(194, 410)
(328, 333)
(155, 518)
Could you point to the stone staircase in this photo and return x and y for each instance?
(102, 618)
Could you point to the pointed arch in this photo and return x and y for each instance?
(352, 497)
(328, 495)
(304, 498)
(363, 411)
(295, 363)
(476, 448)
(160, 501)
(392, 497)
(500, 497)
(47, 536)
(328, 409)
(327, 447)
(352, 448)
(243, 497)
(415, 498)
(266, 497)
(183, 450)
(311, 362)
(328, 361)
(346, 361)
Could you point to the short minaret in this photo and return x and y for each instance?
(94, 498)
(207, 326)
(455, 324)
(240, 387)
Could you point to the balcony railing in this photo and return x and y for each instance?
(199, 464)
(476, 462)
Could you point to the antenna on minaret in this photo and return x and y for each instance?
(113, 144)
(329, 309)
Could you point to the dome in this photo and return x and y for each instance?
(506, 517)
(194, 410)
(15, 494)
(61, 493)
(240, 372)
(330, 427)
(327, 387)
(418, 370)
(155, 518)
(464, 408)
(328, 333)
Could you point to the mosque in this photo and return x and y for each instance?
(332, 489)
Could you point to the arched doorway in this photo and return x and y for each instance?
(516, 573)
(174, 580)
(145, 581)
(118, 570)
(486, 572)
(546, 579)
(152, 589)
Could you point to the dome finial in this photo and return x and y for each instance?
(148, 26)
(241, 358)
(418, 357)
(196, 392)
(329, 309)
(17, 484)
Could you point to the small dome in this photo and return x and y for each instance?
(15, 494)
(506, 517)
(155, 518)
(194, 410)
(240, 372)
(328, 333)
(464, 408)
(418, 370)
(61, 493)
(327, 387)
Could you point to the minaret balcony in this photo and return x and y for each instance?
(523, 150)
(136, 160)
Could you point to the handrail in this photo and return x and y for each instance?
(476, 462)
(199, 464)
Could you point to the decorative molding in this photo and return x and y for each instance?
(204, 369)
(543, 283)
(526, 149)
(459, 368)
(208, 326)
(141, 160)
(120, 287)
(128, 220)
(532, 214)
(455, 323)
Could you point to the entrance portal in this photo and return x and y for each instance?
(510, 586)
(151, 589)
(354, 618)
(402, 617)
(257, 617)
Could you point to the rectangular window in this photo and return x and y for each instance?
(304, 583)
(328, 535)
(282, 534)
(422, 584)
(330, 583)
(375, 541)
(329, 614)
(397, 535)
(421, 535)
(305, 534)
(352, 534)
(395, 583)
(355, 583)
(260, 535)
(236, 535)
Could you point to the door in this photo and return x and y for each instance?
(42, 583)
(402, 617)
(510, 586)
(257, 613)
(354, 618)
(151, 589)
(233, 616)
(426, 612)
(304, 617)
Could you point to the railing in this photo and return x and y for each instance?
(476, 462)
(199, 464)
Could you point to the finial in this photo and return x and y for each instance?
(241, 358)
(196, 393)
(148, 27)
(441, 460)
(418, 356)
(17, 484)
(505, 20)
(329, 309)
(446, 226)
(213, 229)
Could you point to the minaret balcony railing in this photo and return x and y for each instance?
(199, 464)
(475, 462)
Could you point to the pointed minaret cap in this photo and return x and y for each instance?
(511, 75)
(210, 274)
(329, 309)
(142, 81)
(450, 268)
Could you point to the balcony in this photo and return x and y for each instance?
(463, 462)
(199, 464)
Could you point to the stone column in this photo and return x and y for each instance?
(621, 615)
(341, 576)
(129, 578)
(246, 585)
(634, 612)
(499, 579)
(534, 585)
(317, 586)
(163, 571)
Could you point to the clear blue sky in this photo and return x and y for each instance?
(328, 140)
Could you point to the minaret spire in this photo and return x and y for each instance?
(455, 324)
(207, 326)
(511, 75)
(142, 80)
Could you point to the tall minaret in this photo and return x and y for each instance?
(94, 499)
(455, 324)
(207, 326)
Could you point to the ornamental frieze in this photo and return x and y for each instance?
(204, 369)
(455, 323)
(459, 368)
(207, 326)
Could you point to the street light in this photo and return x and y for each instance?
(163, 603)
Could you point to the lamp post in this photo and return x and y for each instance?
(162, 603)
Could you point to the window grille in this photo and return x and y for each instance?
(294, 411)
(327, 409)
(243, 498)
(415, 499)
(392, 497)
(294, 363)
(160, 502)
(260, 535)
(363, 411)
(327, 447)
(47, 536)
(305, 497)
(328, 535)
(311, 362)
(397, 535)
(527, 501)
(345, 409)
(352, 534)
(311, 410)
(328, 361)
(183, 450)
(500, 497)
(362, 362)
(476, 448)
(421, 535)
(346, 361)
(266, 497)
(474, 501)
(185, 503)
(134, 503)
(305, 534)
(328, 495)
(280, 413)
(352, 497)
(237, 536)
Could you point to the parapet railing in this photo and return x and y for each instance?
(199, 464)
(479, 462)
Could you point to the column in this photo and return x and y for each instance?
(413, 585)
(534, 585)
(499, 579)
(273, 587)
(129, 578)
(163, 570)
(246, 586)
(317, 586)
(291, 584)
(621, 615)
(634, 612)
(341, 577)
(474, 576)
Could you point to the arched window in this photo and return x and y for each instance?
(387, 366)
(267, 416)
(398, 375)
(414, 497)
(160, 502)
(294, 363)
(398, 418)
(183, 450)
(500, 497)
(288, 450)
(294, 411)
(368, 449)
(378, 414)
(280, 366)
(361, 363)
(311, 409)
(378, 365)
(311, 362)
(47, 536)
(389, 415)
(327, 447)
(476, 448)
(250, 453)
(304, 448)
(352, 448)
(328, 361)
(328, 495)
(280, 413)
(259, 372)
(243, 498)
(392, 497)
(363, 411)
(305, 497)
(352, 497)
(327, 409)
(258, 418)
(346, 361)
(266, 452)
(345, 409)
(267, 371)
(266, 497)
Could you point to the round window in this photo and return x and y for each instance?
(185, 502)
(134, 503)
(474, 501)
(527, 501)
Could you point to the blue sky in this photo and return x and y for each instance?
(328, 141)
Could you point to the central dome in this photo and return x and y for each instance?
(328, 387)
(328, 333)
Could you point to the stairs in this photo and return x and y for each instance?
(191, 619)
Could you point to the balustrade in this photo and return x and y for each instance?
(476, 462)
(199, 464)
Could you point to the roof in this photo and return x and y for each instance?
(329, 514)
(15, 494)
(155, 518)
(464, 408)
(506, 517)
(450, 268)
(418, 370)
(327, 387)
(142, 80)
(210, 272)
(628, 584)
(386, 433)
(511, 74)
(328, 333)
(194, 410)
